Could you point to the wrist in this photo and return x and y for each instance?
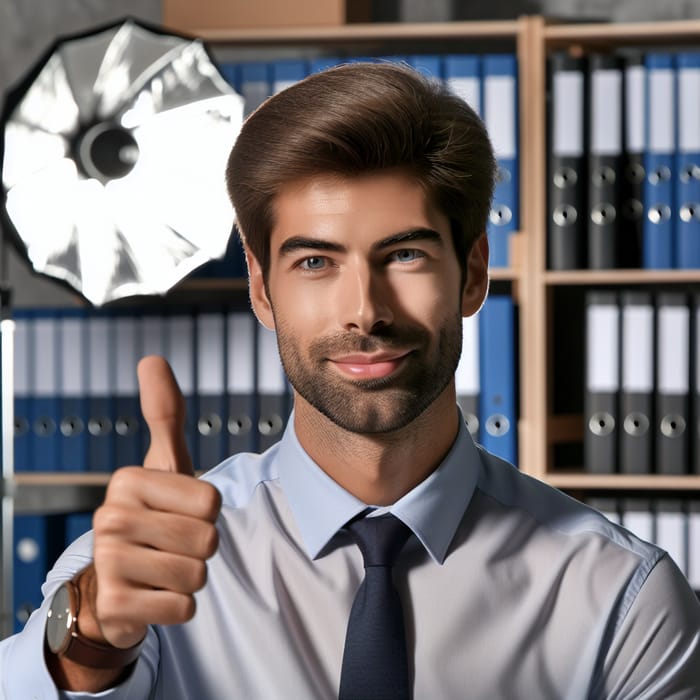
(73, 631)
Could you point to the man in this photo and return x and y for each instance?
(362, 195)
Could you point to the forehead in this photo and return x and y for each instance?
(368, 206)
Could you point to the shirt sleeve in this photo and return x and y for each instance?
(23, 671)
(655, 648)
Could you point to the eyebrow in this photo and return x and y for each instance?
(296, 243)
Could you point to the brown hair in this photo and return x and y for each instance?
(354, 119)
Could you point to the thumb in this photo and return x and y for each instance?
(163, 408)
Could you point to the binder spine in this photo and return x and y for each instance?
(637, 383)
(632, 207)
(658, 162)
(688, 162)
(604, 160)
(566, 182)
(673, 372)
(602, 382)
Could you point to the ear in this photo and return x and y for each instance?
(258, 293)
(477, 284)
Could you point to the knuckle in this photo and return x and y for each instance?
(110, 518)
(185, 607)
(210, 501)
(210, 541)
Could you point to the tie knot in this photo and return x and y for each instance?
(380, 539)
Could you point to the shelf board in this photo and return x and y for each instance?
(675, 31)
(623, 482)
(24, 479)
(384, 31)
(620, 277)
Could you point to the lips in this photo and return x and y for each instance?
(373, 366)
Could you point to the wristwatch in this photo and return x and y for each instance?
(64, 639)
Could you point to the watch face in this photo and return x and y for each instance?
(59, 621)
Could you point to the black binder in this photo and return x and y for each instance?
(566, 184)
(605, 100)
(632, 191)
(637, 382)
(672, 382)
(602, 382)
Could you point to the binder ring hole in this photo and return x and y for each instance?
(659, 213)
(564, 215)
(604, 176)
(99, 426)
(239, 425)
(44, 426)
(689, 212)
(71, 425)
(662, 174)
(565, 177)
(499, 216)
(472, 423)
(634, 173)
(632, 209)
(636, 424)
(270, 425)
(497, 425)
(21, 426)
(603, 214)
(126, 425)
(503, 175)
(672, 426)
(690, 172)
(209, 425)
(27, 550)
(601, 424)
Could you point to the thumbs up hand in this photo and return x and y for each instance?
(155, 529)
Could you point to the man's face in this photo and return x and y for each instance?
(364, 293)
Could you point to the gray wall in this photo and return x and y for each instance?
(28, 27)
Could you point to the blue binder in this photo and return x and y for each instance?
(429, 65)
(688, 161)
(659, 222)
(75, 526)
(254, 84)
(323, 62)
(287, 72)
(462, 73)
(22, 403)
(500, 111)
(497, 356)
(74, 402)
(45, 406)
(38, 540)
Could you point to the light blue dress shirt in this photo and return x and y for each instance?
(510, 590)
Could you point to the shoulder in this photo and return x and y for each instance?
(554, 515)
(239, 476)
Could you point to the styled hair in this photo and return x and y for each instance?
(356, 119)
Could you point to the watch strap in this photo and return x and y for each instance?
(87, 652)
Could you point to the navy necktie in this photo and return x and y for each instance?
(375, 660)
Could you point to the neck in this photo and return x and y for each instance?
(379, 468)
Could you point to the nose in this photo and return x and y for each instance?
(364, 300)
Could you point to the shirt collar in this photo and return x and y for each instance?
(432, 510)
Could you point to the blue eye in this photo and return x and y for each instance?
(406, 255)
(313, 263)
